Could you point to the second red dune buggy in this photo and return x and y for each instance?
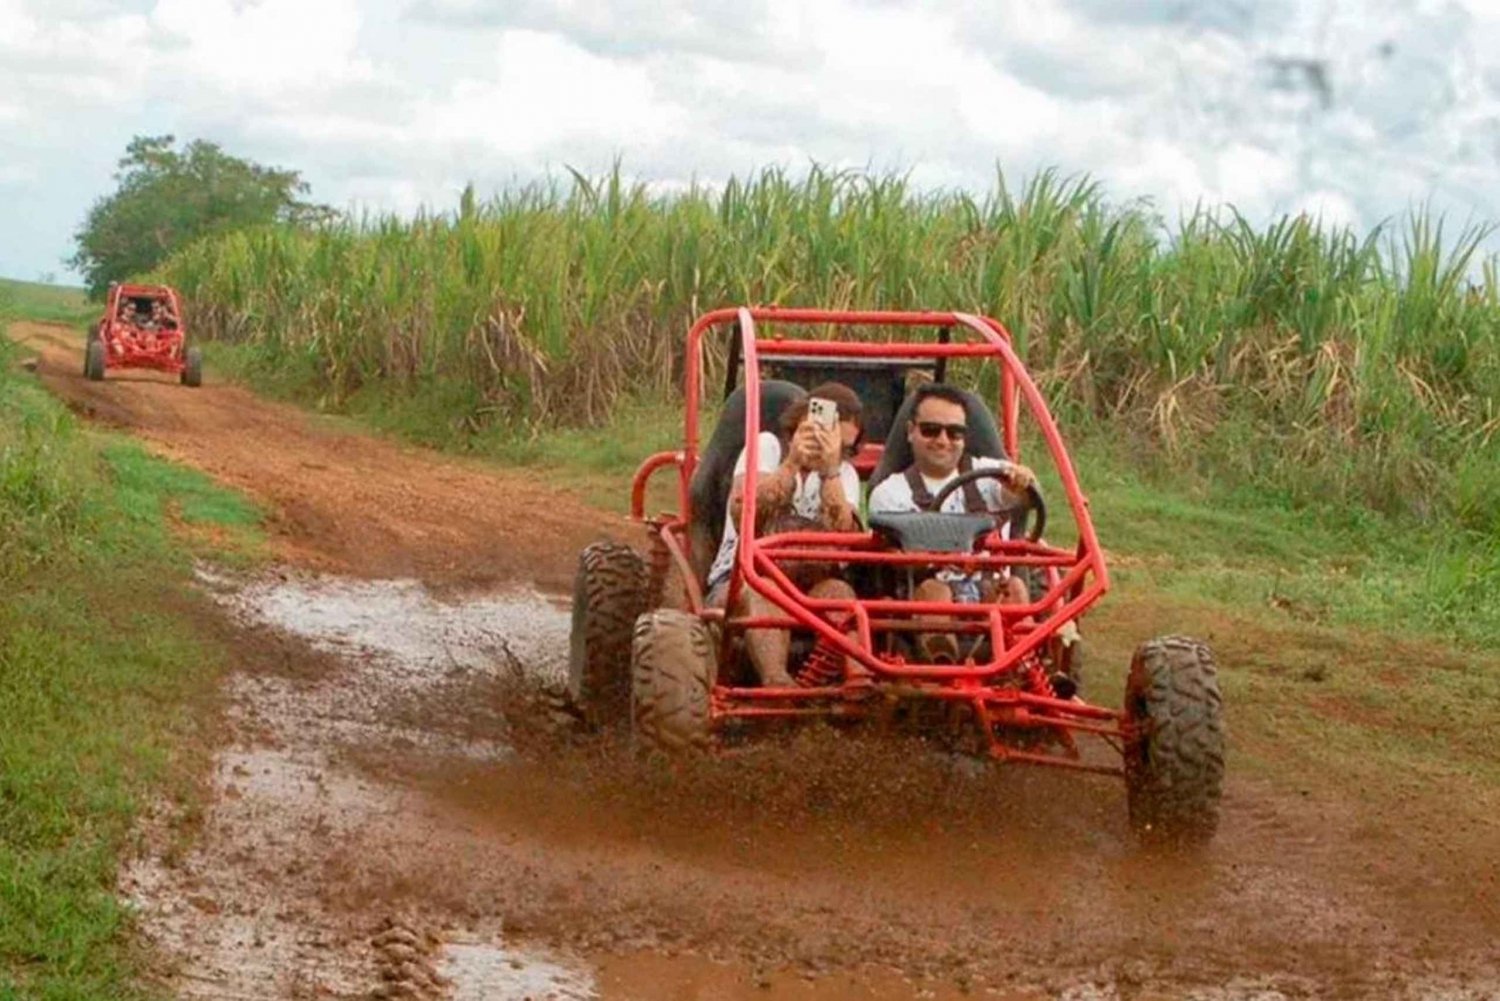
(142, 328)
(674, 667)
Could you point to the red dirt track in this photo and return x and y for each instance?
(343, 502)
(822, 868)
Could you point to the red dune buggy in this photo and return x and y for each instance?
(142, 328)
(678, 674)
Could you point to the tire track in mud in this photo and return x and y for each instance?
(392, 759)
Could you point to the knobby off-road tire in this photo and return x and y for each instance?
(93, 361)
(1174, 762)
(671, 671)
(192, 368)
(609, 593)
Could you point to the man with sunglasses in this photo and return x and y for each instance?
(937, 433)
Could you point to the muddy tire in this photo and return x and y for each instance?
(671, 672)
(93, 361)
(1174, 759)
(609, 593)
(192, 367)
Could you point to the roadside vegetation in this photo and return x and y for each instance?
(1294, 359)
(1345, 388)
(168, 197)
(106, 679)
(48, 303)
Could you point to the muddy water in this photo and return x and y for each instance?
(242, 913)
(402, 811)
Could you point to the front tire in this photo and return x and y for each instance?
(192, 367)
(671, 673)
(1174, 757)
(93, 361)
(609, 594)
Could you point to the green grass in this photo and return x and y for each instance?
(106, 677)
(1324, 564)
(48, 303)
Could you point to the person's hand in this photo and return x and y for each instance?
(805, 451)
(830, 449)
(1018, 478)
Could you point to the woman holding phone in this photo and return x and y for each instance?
(806, 482)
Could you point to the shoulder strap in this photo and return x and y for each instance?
(973, 499)
(922, 497)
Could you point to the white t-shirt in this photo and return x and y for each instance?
(894, 493)
(807, 500)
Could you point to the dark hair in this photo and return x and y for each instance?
(850, 408)
(941, 391)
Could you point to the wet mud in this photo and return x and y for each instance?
(419, 816)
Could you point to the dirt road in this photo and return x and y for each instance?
(338, 501)
(399, 811)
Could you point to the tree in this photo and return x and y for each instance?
(168, 198)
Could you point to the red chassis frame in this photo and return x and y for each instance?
(1009, 692)
(127, 346)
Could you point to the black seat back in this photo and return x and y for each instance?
(709, 488)
(983, 437)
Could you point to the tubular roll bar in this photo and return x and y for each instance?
(757, 557)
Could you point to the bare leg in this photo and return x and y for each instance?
(937, 647)
(768, 648)
(833, 587)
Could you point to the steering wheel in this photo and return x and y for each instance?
(1032, 499)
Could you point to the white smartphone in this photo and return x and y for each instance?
(824, 413)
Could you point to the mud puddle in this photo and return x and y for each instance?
(343, 669)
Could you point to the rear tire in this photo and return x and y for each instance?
(93, 361)
(672, 667)
(609, 594)
(1174, 759)
(192, 367)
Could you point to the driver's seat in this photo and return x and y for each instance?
(983, 438)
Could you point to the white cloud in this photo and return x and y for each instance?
(1354, 110)
(546, 92)
(266, 49)
(636, 28)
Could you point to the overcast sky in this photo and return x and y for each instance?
(1356, 109)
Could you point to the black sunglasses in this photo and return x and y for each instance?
(931, 429)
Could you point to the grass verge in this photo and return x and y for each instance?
(48, 303)
(106, 680)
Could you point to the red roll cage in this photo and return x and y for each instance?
(1074, 579)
